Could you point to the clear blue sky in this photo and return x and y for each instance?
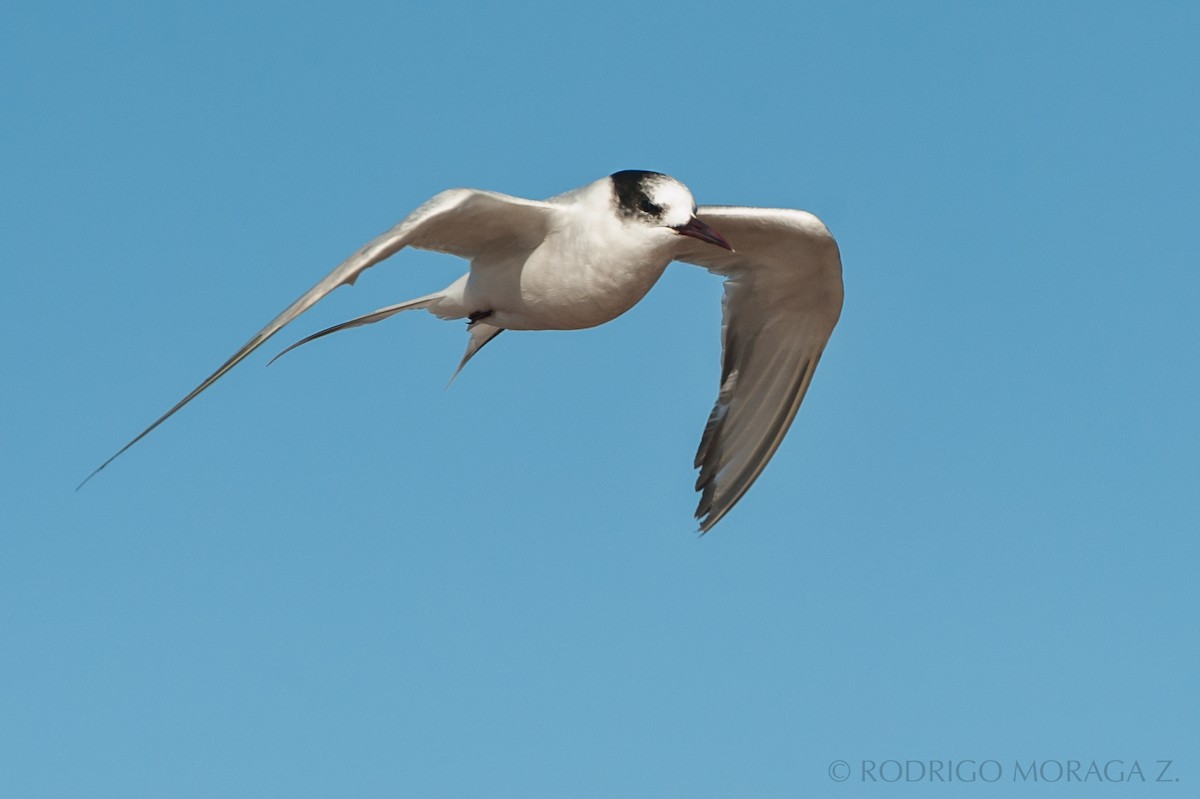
(334, 577)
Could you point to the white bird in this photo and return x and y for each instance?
(585, 257)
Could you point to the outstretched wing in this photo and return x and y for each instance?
(783, 296)
(462, 222)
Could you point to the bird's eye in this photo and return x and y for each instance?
(650, 208)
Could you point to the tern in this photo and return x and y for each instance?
(585, 257)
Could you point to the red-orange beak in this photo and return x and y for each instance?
(698, 230)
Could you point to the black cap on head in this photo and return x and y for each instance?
(631, 187)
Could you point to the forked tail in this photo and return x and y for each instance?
(367, 319)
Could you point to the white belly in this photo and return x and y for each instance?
(564, 287)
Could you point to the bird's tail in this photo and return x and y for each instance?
(481, 333)
(367, 319)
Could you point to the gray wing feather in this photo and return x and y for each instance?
(462, 222)
(783, 296)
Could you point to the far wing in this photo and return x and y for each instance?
(462, 222)
(783, 296)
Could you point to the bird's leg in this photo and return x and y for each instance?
(475, 316)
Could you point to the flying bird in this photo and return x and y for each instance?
(585, 257)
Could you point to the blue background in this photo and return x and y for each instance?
(336, 578)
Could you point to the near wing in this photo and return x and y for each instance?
(461, 222)
(783, 295)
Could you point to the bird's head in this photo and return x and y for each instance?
(660, 201)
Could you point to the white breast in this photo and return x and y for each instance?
(589, 270)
